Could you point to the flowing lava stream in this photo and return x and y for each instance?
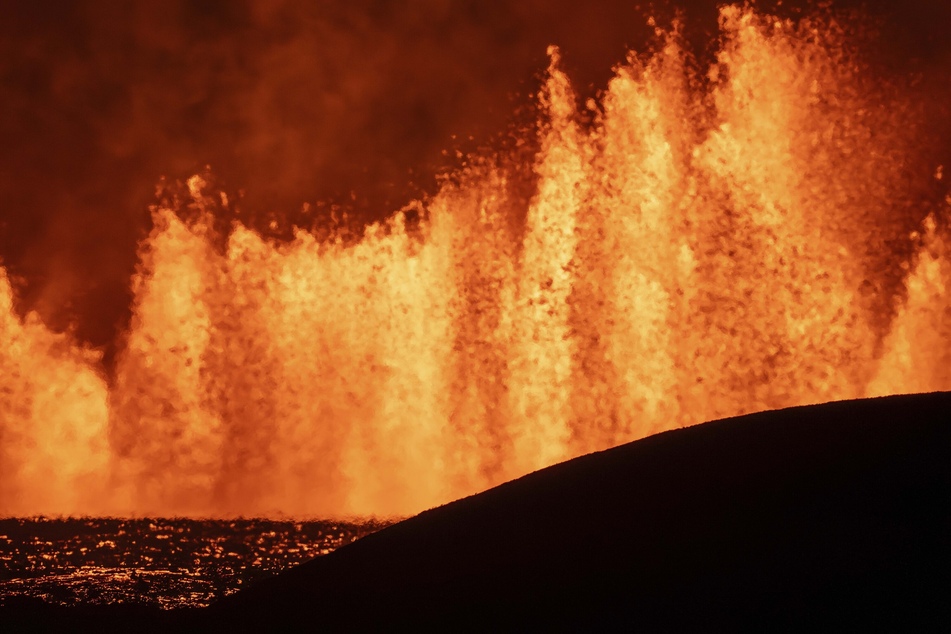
(697, 247)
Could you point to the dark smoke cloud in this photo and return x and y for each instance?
(289, 101)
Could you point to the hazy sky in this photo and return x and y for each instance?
(289, 101)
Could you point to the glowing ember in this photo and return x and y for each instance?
(698, 251)
(170, 563)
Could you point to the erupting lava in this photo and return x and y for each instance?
(697, 247)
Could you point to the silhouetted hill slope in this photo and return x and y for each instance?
(838, 514)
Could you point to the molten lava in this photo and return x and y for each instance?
(697, 247)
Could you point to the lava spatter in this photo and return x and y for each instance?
(694, 249)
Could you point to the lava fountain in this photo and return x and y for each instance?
(697, 246)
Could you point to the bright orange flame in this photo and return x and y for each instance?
(696, 253)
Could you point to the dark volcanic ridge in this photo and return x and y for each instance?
(829, 515)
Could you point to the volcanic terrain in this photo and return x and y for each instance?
(832, 515)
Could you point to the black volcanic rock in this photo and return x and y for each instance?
(836, 515)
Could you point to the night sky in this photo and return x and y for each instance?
(291, 102)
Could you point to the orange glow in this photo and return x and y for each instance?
(53, 447)
(916, 357)
(698, 251)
